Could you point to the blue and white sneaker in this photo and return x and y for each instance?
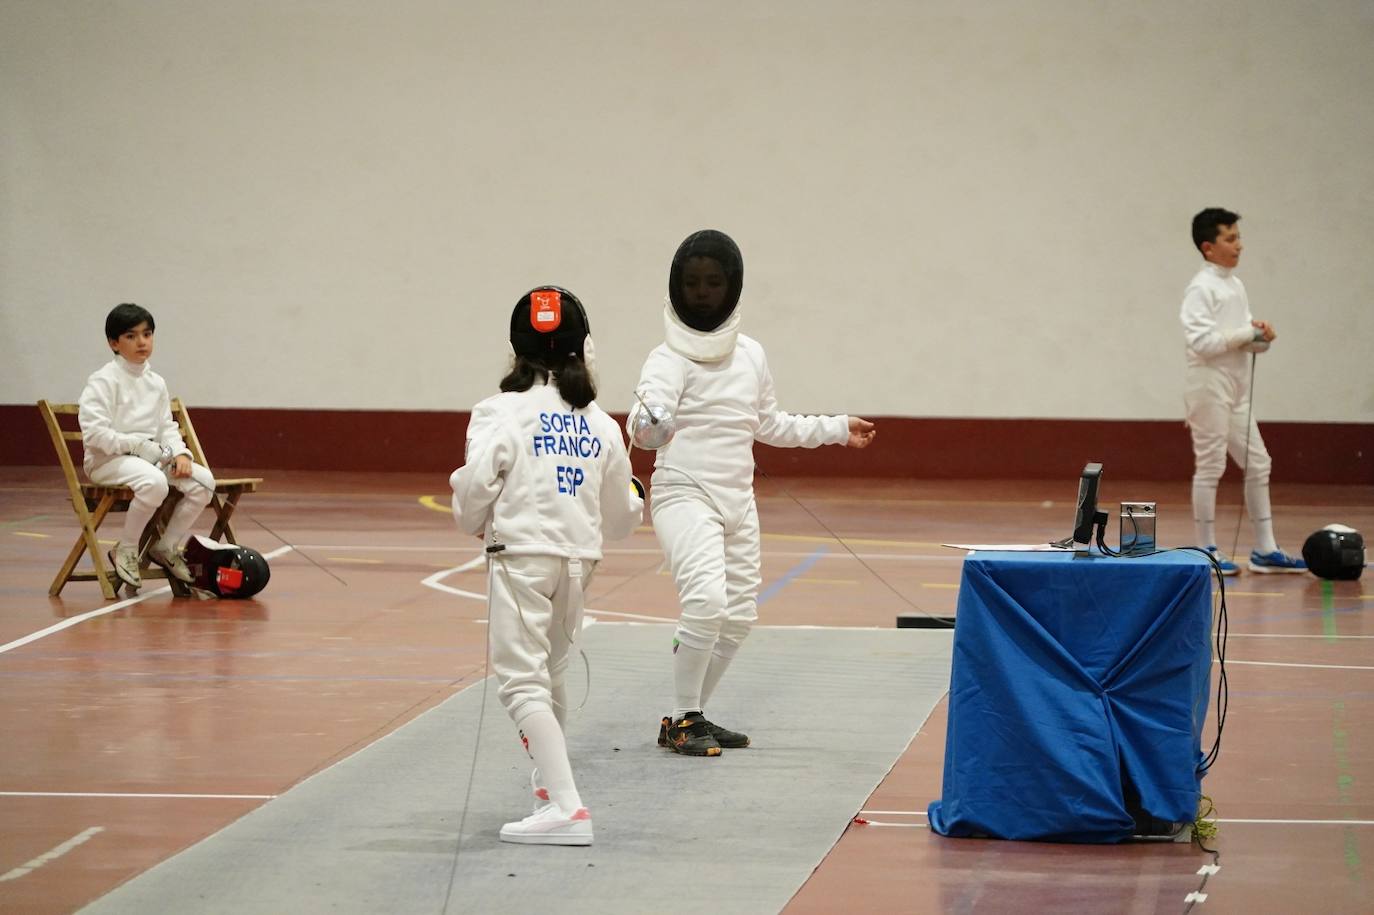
(1228, 568)
(1277, 561)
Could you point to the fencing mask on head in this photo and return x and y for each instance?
(705, 280)
(225, 569)
(549, 322)
(1335, 552)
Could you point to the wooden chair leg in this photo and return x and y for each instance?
(88, 542)
(223, 512)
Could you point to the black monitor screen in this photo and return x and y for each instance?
(1087, 506)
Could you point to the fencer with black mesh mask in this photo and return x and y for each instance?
(715, 384)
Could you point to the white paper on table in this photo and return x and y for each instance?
(1011, 547)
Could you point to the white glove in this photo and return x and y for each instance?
(153, 453)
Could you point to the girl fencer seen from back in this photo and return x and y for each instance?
(546, 477)
(715, 385)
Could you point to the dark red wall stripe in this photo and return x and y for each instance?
(924, 448)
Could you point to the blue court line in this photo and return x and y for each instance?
(792, 573)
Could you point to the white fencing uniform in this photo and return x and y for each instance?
(1220, 338)
(546, 482)
(720, 392)
(123, 404)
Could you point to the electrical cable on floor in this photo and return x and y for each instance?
(910, 603)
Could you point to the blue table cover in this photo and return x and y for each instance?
(1074, 676)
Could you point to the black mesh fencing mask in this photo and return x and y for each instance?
(705, 280)
(226, 569)
(1335, 552)
(548, 322)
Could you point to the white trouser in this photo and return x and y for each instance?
(151, 484)
(534, 612)
(716, 567)
(1218, 406)
(1218, 402)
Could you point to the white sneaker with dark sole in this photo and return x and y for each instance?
(171, 561)
(550, 826)
(124, 559)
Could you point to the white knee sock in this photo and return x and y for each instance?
(1261, 515)
(1205, 513)
(689, 674)
(135, 520)
(714, 671)
(550, 753)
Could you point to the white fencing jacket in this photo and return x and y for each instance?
(121, 405)
(1216, 319)
(720, 392)
(544, 478)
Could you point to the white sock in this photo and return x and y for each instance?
(1205, 514)
(714, 671)
(689, 673)
(1261, 515)
(550, 753)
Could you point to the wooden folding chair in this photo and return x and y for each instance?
(92, 503)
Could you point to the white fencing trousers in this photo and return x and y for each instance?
(715, 565)
(1218, 405)
(535, 618)
(151, 484)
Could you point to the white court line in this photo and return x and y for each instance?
(435, 581)
(1277, 635)
(117, 605)
(1304, 822)
(51, 855)
(654, 551)
(1286, 664)
(194, 797)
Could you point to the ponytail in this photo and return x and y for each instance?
(575, 384)
(574, 379)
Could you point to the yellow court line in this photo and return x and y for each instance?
(29, 534)
(430, 503)
(1231, 593)
(354, 559)
(936, 584)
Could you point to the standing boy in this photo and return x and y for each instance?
(1222, 340)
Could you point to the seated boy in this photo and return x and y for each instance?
(131, 439)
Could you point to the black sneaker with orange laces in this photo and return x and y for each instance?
(689, 736)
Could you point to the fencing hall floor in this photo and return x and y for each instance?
(136, 729)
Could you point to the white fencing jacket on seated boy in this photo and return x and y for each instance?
(121, 405)
(719, 389)
(544, 478)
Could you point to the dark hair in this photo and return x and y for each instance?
(1207, 224)
(569, 372)
(126, 317)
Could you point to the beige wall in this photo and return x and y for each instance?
(946, 209)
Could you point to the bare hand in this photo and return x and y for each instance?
(1268, 330)
(181, 466)
(861, 433)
